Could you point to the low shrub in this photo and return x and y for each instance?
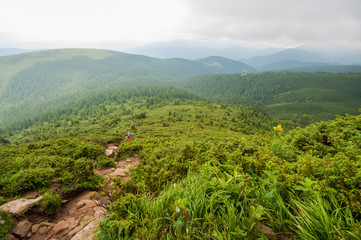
(49, 204)
(5, 223)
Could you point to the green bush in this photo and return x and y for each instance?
(49, 204)
(5, 223)
(105, 162)
(28, 179)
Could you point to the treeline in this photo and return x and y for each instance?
(262, 88)
(287, 95)
(95, 101)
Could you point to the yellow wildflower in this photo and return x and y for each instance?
(243, 138)
(278, 128)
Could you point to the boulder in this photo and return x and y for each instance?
(111, 151)
(35, 228)
(20, 206)
(74, 231)
(60, 226)
(22, 228)
(43, 229)
(87, 233)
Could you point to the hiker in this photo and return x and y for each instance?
(128, 135)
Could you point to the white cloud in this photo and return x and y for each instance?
(84, 20)
(277, 22)
(132, 22)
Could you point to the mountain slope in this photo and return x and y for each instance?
(294, 54)
(39, 79)
(225, 65)
(299, 97)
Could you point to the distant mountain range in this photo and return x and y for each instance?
(303, 60)
(269, 59)
(240, 58)
(193, 50)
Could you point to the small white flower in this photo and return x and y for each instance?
(177, 209)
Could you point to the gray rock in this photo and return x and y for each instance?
(20, 206)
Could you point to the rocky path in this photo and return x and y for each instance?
(78, 218)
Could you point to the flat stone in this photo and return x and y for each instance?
(19, 206)
(87, 233)
(60, 226)
(48, 224)
(75, 231)
(22, 228)
(35, 228)
(118, 173)
(85, 204)
(79, 205)
(73, 223)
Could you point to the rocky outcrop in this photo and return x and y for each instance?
(20, 206)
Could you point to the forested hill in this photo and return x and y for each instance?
(71, 70)
(44, 76)
(299, 97)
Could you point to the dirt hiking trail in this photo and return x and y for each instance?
(77, 218)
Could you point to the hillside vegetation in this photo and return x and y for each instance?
(221, 155)
(207, 170)
(33, 82)
(41, 81)
(296, 99)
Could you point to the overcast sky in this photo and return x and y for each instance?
(118, 24)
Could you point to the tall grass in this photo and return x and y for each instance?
(322, 217)
(205, 205)
(211, 204)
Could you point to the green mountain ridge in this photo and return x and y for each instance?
(36, 82)
(40, 77)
